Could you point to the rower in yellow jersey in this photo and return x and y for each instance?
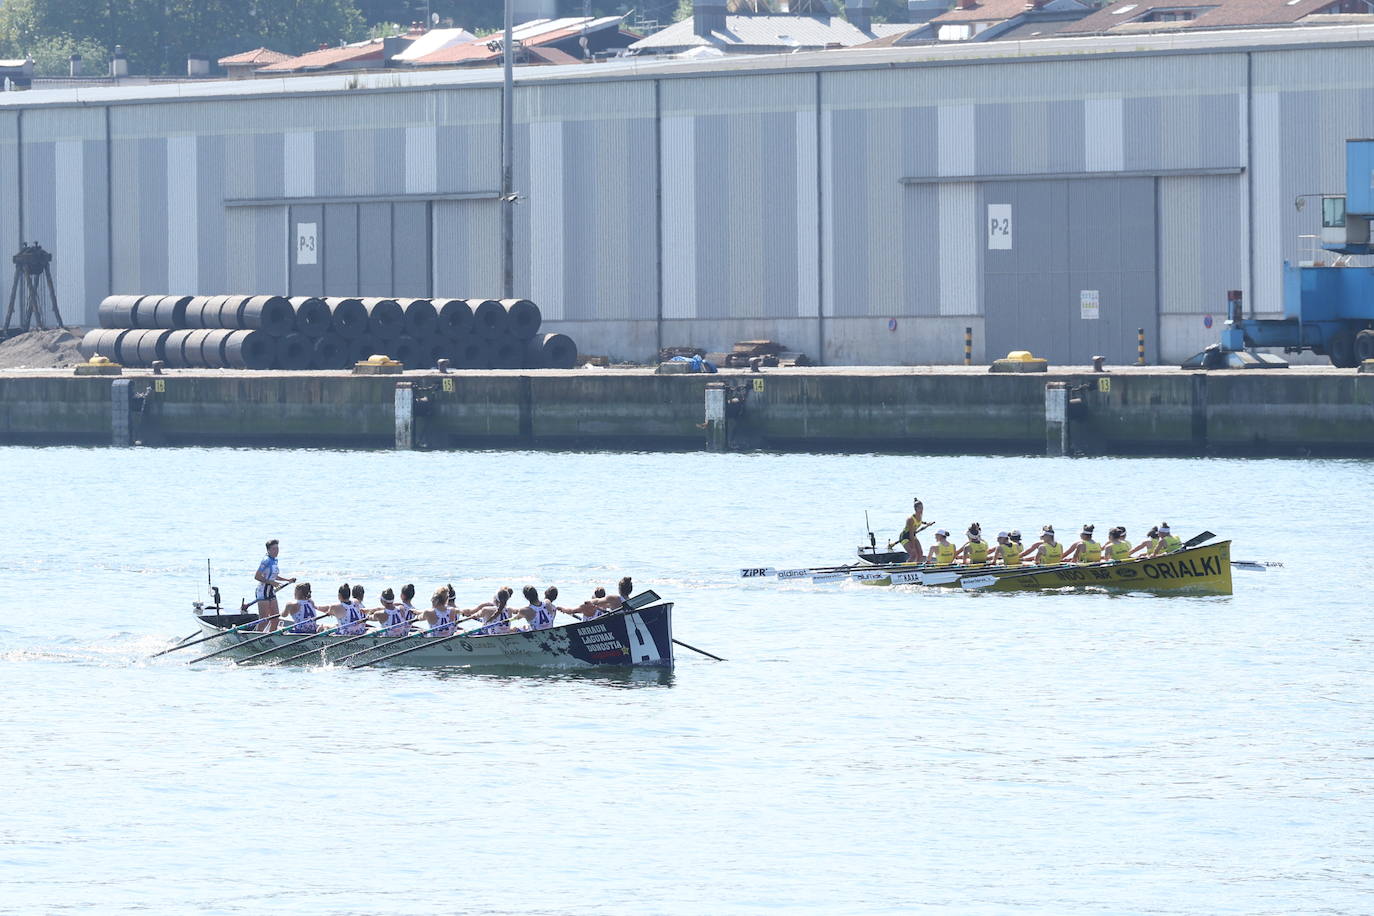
(1085, 549)
(942, 551)
(907, 538)
(1007, 551)
(1048, 552)
(975, 551)
(1146, 548)
(1168, 542)
(1117, 547)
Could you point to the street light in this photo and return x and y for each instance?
(507, 160)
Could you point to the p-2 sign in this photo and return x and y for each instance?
(307, 243)
(999, 227)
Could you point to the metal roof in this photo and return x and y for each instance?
(783, 32)
(434, 40)
(629, 68)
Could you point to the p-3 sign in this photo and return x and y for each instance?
(999, 227)
(307, 243)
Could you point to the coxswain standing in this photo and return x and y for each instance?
(975, 552)
(942, 551)
(1168, 542)
(1085, 549)
(1048, 552)
(1117, 547)
(269, 580)
(907, 538)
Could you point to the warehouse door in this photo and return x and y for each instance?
(377, 248)
(1069, 267)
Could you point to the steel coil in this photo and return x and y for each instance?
(522, 318)
(385, 320)
(350, 318)
(455, 317)
(421, 318)
(312, 316)
(552, 351)
(272, 315)
(331, 352)
(488, 318)
(295, 351)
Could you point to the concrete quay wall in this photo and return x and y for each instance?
(1128, 411)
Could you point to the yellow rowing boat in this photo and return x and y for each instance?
(1195, 570)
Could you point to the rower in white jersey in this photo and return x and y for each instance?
(534, 615)
(303, 611)
(352, 622)
(392, 616)
(598, 606)
(495, 614)
(440, 614)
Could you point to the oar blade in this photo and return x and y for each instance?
(756, 572)
(977, 582)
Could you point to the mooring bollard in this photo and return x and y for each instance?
(121, 433)
(1140, 346)
(1057, 419)
(716, 431)
(968, 346)
(405, 415)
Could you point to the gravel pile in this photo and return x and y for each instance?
(54, 349)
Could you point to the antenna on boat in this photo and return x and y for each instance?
(872, 541)
(214, 592)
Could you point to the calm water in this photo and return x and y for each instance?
(862, 751)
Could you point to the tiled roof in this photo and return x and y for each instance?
(256, 56)
(770, 31)
(533, 34)
(1124, 15)
(434, 40)
(328, 57)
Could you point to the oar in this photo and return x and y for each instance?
(699, 651)
(295, 642)
(239, 645)
(271, 593)
(187, 645)
(342, 642)
(1255, 565)
(923, 527)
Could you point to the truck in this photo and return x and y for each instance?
(1328, 305)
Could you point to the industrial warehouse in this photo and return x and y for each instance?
(863, 206)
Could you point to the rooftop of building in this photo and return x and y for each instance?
(1066, 47)
(1137, 16)
(769, 30)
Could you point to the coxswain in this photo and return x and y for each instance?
(1117, 547)
(303, 611)
(908, 538)
(392, 616)
(440, 613)
(269, 580)
(975, 551)
(942, 551)
(1008, 552)
(1147, 547)
(1085, 549)
(1168, 542)
(1048, 552)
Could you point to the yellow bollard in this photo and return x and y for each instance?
(1140, 346)
(968, 346)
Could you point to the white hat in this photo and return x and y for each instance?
(942, 532)
(1163, 529)
(1002, 534)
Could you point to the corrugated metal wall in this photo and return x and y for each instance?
(846, 195)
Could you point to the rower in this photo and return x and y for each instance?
(1085, 549)
(269, 580)
(1008, 552)
(1147, 547)
(407, 599)
(550, 596)
(350, 615)
(975, 552)
(1117, 547)
(494, 615)
(440, 613)
(303, 611)
(1048, 552)
(534, 613)
(1168, 542)
(907, 538)
(942, 551)
(392, 616)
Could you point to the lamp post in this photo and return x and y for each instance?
(507, 164)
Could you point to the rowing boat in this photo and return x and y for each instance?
(1194, 570)
(640, 637)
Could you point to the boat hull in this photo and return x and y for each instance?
(1197, 570)
(639, 638)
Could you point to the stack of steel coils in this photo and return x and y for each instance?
(306, 332)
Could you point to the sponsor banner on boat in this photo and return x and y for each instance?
(830, 577)
(756, 572)
(867, 574)
(793, 573)
(907, 578)
(1200, 569)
